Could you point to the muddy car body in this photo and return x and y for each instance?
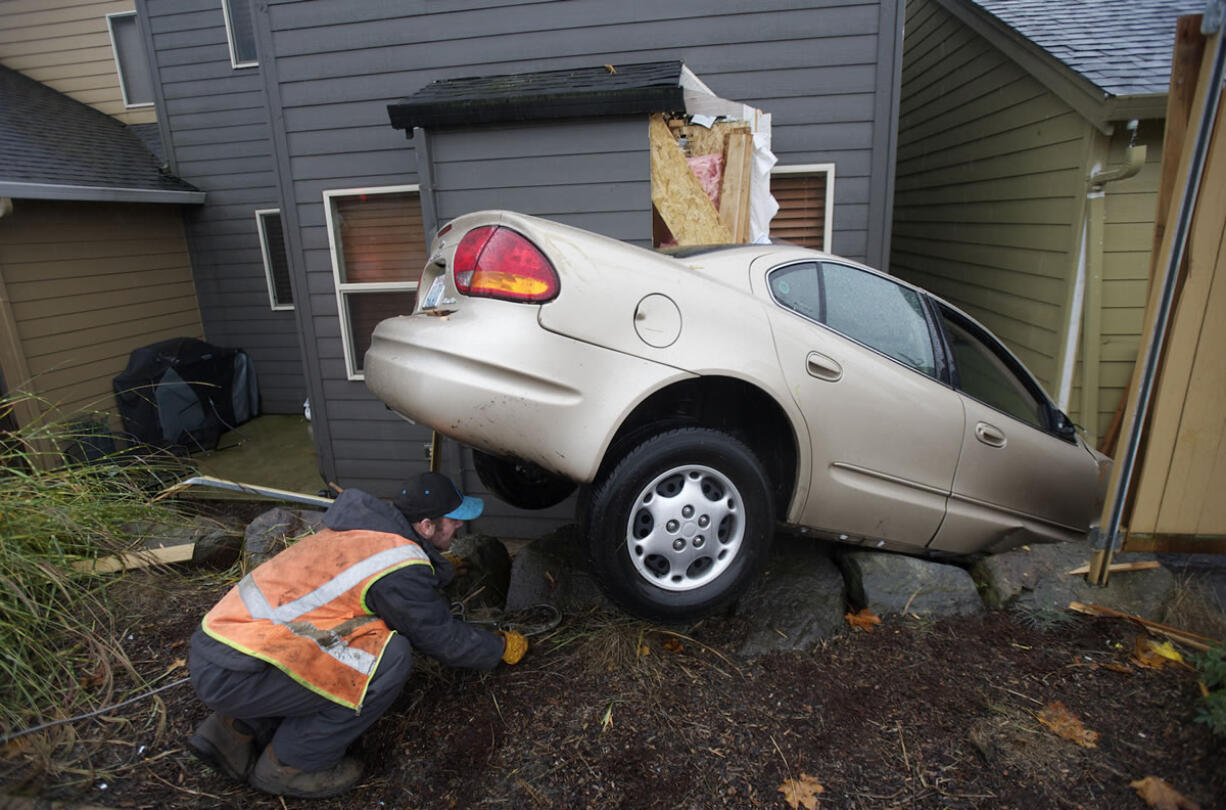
(699, 396)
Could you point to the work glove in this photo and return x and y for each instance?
(460, 564)
(516, 646)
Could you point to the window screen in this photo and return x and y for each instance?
(276, 262)
(241, 32)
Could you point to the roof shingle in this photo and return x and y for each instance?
(1121, 46)
(49, 139)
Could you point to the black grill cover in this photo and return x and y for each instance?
(184, 393)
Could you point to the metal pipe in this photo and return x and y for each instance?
(250, 489)
(1149, 366)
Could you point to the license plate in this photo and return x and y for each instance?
(432, 297)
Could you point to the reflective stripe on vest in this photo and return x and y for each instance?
(325, 638)
(329, 641)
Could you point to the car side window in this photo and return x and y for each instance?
(983, 373)
(879, 313)
(798, 288)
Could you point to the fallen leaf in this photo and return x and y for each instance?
(1161, 796)
(863, 620)
(672, 645)
(1063, 722)
(1152, 654)
(644, 650)
(801, 792)
(1115, 666)
(178, 663)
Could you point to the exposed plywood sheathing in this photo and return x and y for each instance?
(677, 194)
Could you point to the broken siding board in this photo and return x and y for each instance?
(735, 189)
(677, 194)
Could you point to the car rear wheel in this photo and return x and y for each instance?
(522, 484)
(680, 525)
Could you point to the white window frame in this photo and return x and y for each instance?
(123, 86)
(342, 288)
(816, 168)
(273, 303)
(234, 63)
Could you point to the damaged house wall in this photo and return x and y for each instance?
(826, 70)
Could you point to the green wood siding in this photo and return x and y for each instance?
(990, 186)
(1128, 233)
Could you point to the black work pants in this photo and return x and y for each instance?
(306, 730)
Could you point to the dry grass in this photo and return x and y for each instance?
(1196, 608)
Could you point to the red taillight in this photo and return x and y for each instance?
(496, 262)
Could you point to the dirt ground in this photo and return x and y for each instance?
(607, 712)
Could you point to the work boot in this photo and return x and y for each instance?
(271, 775)
(225, 745)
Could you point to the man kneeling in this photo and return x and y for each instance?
(310, 648)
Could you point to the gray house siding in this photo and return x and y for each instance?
(826, 73)
(215, 127)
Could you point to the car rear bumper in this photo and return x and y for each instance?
(490, 377)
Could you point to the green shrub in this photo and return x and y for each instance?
(1212, 709)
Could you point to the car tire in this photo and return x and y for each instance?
(521, 484)
(680, 525)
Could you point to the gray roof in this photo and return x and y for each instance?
(54, 147)
(1122, 46)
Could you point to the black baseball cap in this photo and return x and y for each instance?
(433, 495)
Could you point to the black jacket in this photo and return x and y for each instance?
(407, 598)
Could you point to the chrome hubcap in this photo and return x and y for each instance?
(686, 528)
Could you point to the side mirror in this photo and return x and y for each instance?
(1064, 426)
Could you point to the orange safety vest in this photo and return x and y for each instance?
(304, 611)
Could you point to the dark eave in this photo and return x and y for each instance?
(604, 90)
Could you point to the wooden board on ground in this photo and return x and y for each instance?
(139, 559)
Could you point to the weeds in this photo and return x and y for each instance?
(1042, 619)
(58, 653)
(1212, 708)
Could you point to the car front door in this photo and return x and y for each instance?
(1017, 480)
(858, 353)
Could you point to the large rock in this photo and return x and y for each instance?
(274, 529)
(798, 601)
(1036, 577)
(215, 544)
(896, 583)
(551, 570)
(485, 583)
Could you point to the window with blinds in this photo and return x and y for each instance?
(805, 195)
(378, 247)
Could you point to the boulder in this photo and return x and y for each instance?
(798, 601)
(217, 544)
(485, 583)
(273, 530)
(552, 570)
(896, 583)
(1036, 578)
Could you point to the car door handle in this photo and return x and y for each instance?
(823, 367)
(990, 435)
